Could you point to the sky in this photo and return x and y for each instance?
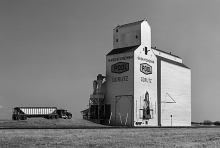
(52, 50)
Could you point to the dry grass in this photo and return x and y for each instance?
(45, 123)
(127, 137)
(105, 137)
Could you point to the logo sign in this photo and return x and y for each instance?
(120, 67)
(146, 68)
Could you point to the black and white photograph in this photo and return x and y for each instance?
(118, 73)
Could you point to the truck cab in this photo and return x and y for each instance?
(64, 114)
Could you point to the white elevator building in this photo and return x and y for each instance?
(143, 86)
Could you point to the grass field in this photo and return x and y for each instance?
(131, 137)
(110, 137)
(45, 123)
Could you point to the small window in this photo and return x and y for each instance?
(116, 30)
(146, 50)
(136, 36)
(116, 40)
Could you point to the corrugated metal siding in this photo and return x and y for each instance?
(175, 87)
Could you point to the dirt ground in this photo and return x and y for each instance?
(106, 137)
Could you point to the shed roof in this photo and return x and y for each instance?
(85, 111)
(172, 62)
(164, 52)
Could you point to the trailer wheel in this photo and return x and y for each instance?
(18, 117)
(56, 117)
(52, 117)
(24, 118)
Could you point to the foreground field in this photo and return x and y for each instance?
(121, 137)
(61, 133)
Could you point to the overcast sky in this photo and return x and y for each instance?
(52, 50)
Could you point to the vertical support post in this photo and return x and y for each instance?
(115, 108)
(98, 108)
(136, 111)
(110, 119)
(159, 91)
(126, 119)
(104, 107)
(171, 119)
(120, 118)
(89, 114)
(132, 111)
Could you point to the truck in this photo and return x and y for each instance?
(22, 113)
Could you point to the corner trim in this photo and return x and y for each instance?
(159, 90)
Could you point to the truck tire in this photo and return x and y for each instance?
(56, 117)
(52, 117)
(69, 117)
(18, 117)
(24, 118)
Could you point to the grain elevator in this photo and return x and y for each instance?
(143, 86)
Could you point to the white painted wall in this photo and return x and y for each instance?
(175, 86)
(125, 86)
(146, 35)
(145, 82)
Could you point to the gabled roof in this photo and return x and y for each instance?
(130, 24)
(172, 62)
(123, 50)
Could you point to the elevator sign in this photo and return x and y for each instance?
(120, 67)
(145, 68)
